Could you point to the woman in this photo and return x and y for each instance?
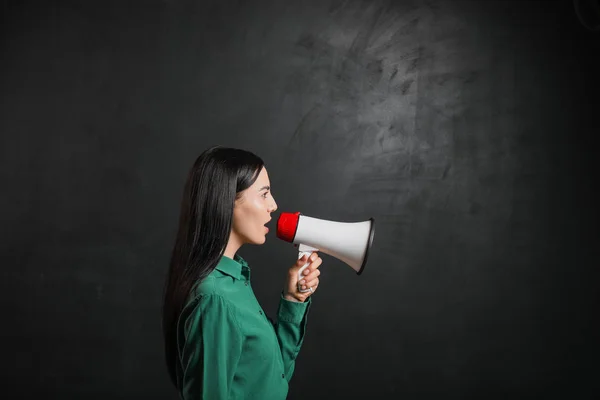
(219, 343)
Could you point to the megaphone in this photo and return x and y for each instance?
(347, 241)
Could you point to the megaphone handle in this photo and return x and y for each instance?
(302, 250)
(300, 276)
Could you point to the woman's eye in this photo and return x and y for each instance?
(265, 194)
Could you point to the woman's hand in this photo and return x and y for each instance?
(310, 279)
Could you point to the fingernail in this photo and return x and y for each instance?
(302, 282)
(303, 287)
(306, 272)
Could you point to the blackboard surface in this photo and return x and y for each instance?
(467, 130)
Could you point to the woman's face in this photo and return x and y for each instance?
(253, 210)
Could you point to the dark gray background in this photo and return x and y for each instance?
(466, 129)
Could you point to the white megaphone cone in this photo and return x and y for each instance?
(347, 241)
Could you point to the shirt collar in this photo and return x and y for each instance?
(232, 267)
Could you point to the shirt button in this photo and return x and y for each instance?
(246, 283)
(282, 375)
(260, 312)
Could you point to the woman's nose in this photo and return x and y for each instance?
(273, 206)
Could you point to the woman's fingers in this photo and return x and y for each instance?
(311, 276)
(311, 284)
(311, 272)
(315, 263)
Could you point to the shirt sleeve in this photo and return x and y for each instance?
(213, 345)
(290, 328)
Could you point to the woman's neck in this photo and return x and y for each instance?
(232, 247)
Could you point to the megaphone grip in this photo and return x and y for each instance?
(302, 250)
(301, 270)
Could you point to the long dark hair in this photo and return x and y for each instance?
(213, 184)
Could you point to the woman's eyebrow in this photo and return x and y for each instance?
(265, 187)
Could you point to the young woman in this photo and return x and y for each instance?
(219, 343)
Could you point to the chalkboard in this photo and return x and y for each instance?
(466, 129)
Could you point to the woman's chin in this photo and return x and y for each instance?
(259, 240)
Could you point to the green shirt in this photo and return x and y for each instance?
(228, 347)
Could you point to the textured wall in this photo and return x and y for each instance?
(466, 129)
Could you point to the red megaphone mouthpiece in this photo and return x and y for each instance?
(287, 225)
